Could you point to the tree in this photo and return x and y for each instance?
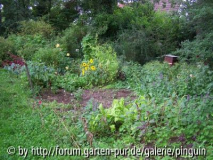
(42, 7)
(61, 16)
(198, 18)
(14, 11)
(98, 6)
(0, 14)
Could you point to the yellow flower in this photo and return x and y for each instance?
(67, 67)
(83, 72)
(57, 45)
(86, 68)
(91, 61)
(68, 54)
(84, 64)
(93, 68)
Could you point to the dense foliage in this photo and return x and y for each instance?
(199, 20)
(79, 45)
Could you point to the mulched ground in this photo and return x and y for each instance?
(104, 96)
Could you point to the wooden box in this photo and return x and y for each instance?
(171, 59)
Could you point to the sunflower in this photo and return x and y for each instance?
(93, 68)
(91, 61)
(84, 64)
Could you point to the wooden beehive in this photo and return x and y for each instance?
(171, 59)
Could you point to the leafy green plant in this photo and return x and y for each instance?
(5, 47)
(199, 50)
(105, 58)
(78, 94)
(70, 81)
(15, 68)
(114, 119)
(41, 74)
(27, 45)
(161, 80)
(71, 39)
(36, 27)
(54, 57)
(90, 71)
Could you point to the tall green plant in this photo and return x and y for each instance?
(105, 56)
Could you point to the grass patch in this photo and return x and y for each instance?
(21, 125)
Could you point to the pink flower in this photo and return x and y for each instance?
(40, 102)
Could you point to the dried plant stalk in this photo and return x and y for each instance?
(88, 133)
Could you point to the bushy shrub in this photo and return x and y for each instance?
(133, 74)
(70, 82)
(161, 80)
(41, 74)
(198, 50)
(138, 32)
(27, 45)
(54, 57)
(148, 38)
(71, 39)
(135, 46)
(105, 58)
(5, 47)
(36, 27)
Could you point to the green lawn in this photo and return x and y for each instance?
(21, 125)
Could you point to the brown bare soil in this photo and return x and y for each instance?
(104, 96)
